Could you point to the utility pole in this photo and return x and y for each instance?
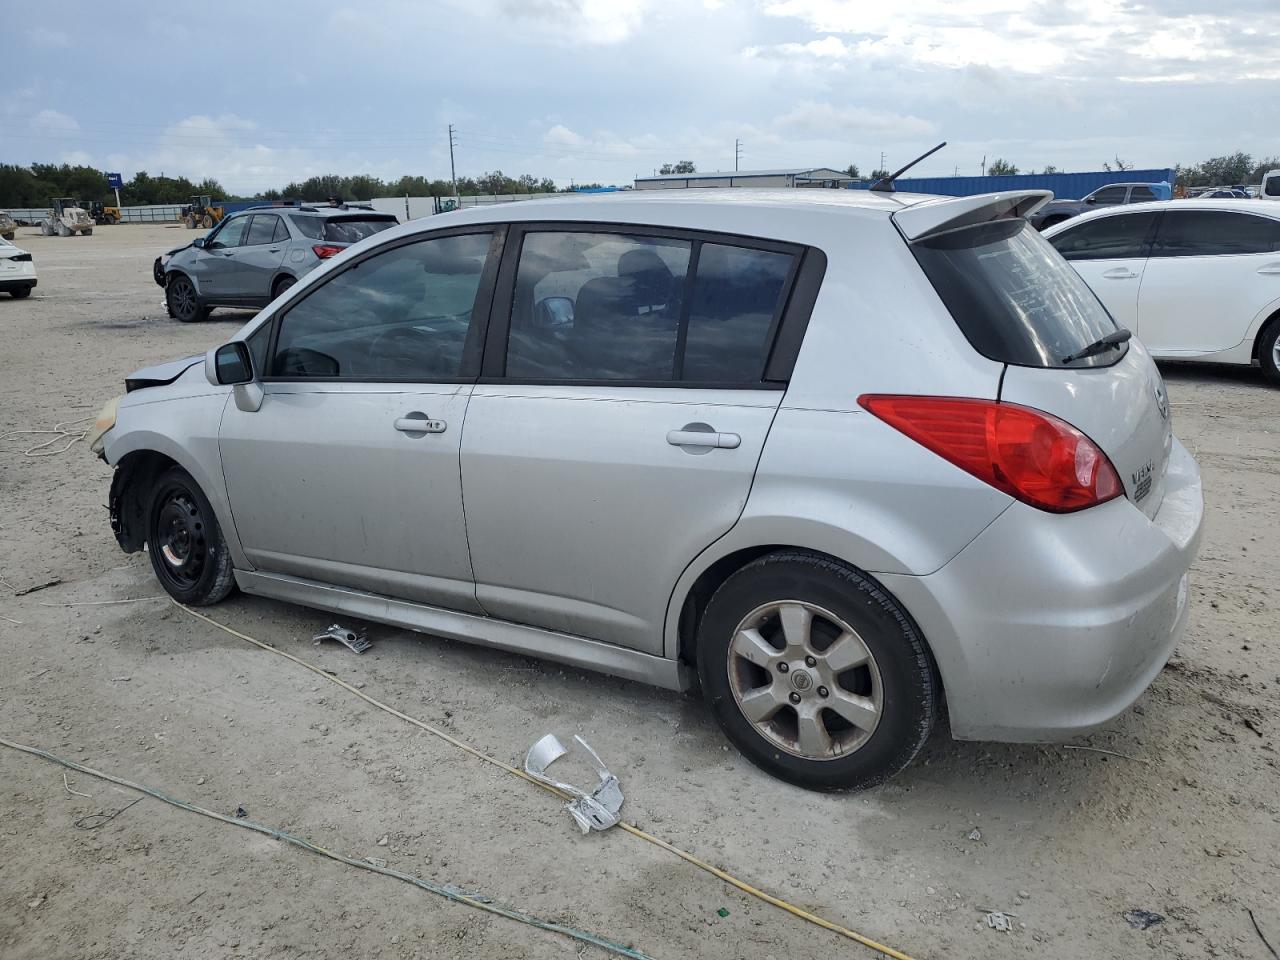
(737, 154)
(453, 173)
(984, 164)
(882, 160)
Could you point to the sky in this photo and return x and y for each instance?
(259, 94)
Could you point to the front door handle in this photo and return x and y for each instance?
(1120, 273)
(1271, 269)
(704, 438)
(419, 423)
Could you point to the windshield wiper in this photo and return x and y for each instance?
(1100, 345)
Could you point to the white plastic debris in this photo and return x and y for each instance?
(597, 810)
(1000, 922)
(356, 642)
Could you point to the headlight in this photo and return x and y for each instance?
(106, 420)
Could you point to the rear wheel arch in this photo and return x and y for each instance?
(699, 594)
(1267, 326)
(282, 282)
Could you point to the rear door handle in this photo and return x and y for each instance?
(1271, 269)
(417, 422)
(1120, 273)
(704, 438)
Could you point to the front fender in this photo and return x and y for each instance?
(185, 430)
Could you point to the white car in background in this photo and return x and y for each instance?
(1194, 279)
(17, 270)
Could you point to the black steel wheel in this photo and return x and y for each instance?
(184, 303)
(185, 543)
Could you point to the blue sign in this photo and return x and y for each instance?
(115, 181)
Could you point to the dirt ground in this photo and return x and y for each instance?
(1069, 840)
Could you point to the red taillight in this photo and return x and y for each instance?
(326, 250)
(1027, 453)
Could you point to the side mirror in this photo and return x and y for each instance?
(1090, 200)
(198, 242)
(552, 312)
(229, 364)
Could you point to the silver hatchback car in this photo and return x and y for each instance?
(838, 456)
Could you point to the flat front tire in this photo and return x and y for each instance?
(188, 552)
(815, 673)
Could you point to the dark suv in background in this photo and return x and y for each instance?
(252, 256)
(1112, 195)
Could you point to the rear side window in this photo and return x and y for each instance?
(1140, 193)
(1214, 233)
(1121, 237)
(1272, 188)
(617, 307)
(1015, 300)
(281, 233)
(261, 229)
(354, 230)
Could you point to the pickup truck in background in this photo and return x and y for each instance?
(1112, 195)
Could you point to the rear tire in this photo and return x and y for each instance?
(815, 673)
(1269, 352)
(206, 221)
(188, 552)
(281, 285)
(88, 233)
(183, 301)
(20, 293)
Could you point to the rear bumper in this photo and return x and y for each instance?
(1049, 626)
(17, 283)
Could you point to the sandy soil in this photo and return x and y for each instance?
(1070, 840)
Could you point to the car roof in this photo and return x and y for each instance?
(1228, 204)
(321, 212)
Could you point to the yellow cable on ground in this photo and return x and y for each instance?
(516, 771)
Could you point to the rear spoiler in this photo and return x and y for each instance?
(934, 216)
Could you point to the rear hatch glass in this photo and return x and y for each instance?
(1019, 302)
(1015, 300)
(342, 229)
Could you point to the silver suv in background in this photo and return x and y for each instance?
(1112, 195)
(252, 256)
(838, 455)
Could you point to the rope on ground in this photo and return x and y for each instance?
(428, 885)
(515, 771)
(60, 431)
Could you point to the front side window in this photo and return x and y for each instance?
(1214, 233)
(231, 234)
(1108, 196)
(402, 314)
(619, 307)
(1121, 237)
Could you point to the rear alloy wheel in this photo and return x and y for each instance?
(184, 303)
(185, 543)
(1269, 353)
(815, 673)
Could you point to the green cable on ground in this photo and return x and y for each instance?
(428, 885)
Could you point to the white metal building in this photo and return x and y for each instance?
(791, 177)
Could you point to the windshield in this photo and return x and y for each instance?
(1014, 297)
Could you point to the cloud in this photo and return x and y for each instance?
(45, 37)
(54, 122)
(827, 122)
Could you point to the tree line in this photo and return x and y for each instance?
(34, 185)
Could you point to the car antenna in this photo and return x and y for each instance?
(885, 184)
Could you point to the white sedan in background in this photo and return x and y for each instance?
(17, 270)
(1194, 279)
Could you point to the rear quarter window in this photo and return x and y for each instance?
(1014, 298)
(355, 230)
